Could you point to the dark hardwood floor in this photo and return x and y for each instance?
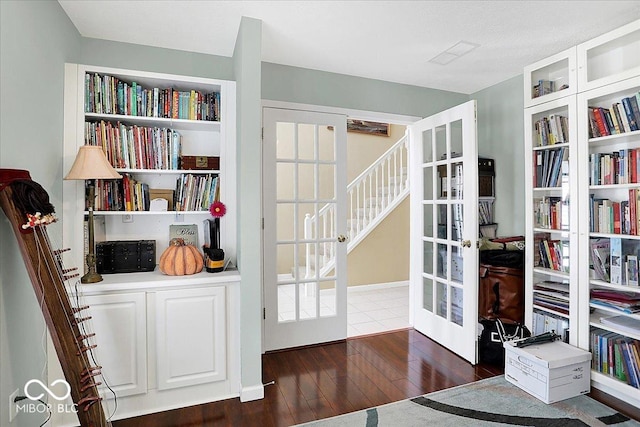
(322, 381)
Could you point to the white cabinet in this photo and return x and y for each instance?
(162, 343)
(190, 336)
(122, 349)
(600, 190)
(551, 78)
(610, 58)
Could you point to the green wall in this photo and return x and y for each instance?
(146, 58)
(301, 85)
(246, 55)
(501, 137)
(36, 39)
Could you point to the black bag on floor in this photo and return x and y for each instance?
(494, 334)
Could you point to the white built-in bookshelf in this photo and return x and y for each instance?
(583, 203)
(163, 341)
(146, 123)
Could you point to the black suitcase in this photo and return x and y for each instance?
(125, 256)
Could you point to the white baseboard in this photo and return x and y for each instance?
(375, 286)
(255, 392)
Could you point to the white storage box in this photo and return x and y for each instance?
(551, 371)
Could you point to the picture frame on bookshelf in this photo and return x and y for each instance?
(187, 232)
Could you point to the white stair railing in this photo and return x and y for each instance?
(376, 192)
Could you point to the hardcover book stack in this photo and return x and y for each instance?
(135, 147)
(621, 117)
(616, 355)
(106, 94)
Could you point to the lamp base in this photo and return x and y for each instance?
(91, 277)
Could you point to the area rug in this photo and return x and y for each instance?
(489, 402)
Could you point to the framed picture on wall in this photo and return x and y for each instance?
(363, 126)
(371, 128)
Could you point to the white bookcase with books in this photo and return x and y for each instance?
(145, 135)
(551, 285)
(163, 341)
(603, 233)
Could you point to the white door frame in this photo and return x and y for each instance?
(360, 114)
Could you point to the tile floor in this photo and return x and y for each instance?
(370, 308)
(377, 308)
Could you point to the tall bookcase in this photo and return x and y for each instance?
(593, 205)
(163, 341)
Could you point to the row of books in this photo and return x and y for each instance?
(624, 302)
(546, 322)
(551, 130)
(485, 212)
(616, 355)
(551, 212)
(618, 167)
(553, 254)
(613, 262)
(192, 193)
(545, 87)
(615, 217)
(135, 147)
(550, 167)
(124, 194)
(106, 94)
(621, 117)
(196, 192)
(552, 295)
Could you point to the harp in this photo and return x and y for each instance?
(26, 205)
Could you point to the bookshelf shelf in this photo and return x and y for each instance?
(169, 171)
(603, 181)
(179, 124)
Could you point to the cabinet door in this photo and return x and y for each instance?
(119, 322)
(191, 343)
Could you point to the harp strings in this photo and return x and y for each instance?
(72, 293)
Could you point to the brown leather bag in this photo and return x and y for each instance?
(501, 293)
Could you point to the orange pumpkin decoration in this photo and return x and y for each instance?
(180, 259)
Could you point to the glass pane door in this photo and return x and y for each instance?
(305, 222)
(444, 173)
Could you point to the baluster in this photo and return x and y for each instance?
(395, 175)
(377, 191)
(388, 162)
(307, 235)
(324, 236)
(351, 234)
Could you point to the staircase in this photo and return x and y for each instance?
(373, 195)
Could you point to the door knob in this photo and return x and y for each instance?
(466, 243)
(342, 238)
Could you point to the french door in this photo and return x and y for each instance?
(305, 248)
(444, 228)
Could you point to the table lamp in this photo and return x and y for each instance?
(91, 164)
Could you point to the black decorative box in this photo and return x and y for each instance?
(125, 256)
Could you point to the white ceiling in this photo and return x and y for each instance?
(385, 40)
